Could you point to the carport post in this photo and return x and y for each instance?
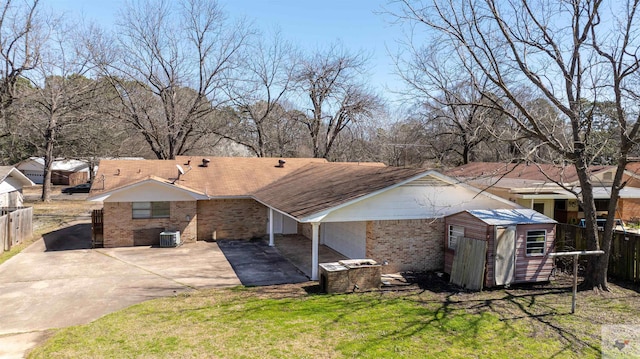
(271, 241)
(315, 226)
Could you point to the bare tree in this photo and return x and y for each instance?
(332, 82)
(169, 64)
(62, 97)
(561, 51)
(264, 80)
(22, 34)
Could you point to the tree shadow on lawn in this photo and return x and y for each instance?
(544, 307)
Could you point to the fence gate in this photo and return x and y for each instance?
(97, 229)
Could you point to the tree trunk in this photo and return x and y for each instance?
(596, 272)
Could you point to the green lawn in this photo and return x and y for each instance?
(287, 322)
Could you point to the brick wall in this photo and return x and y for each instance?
(306, 230)
(231, 219)
(628, 209)
(121, 230)
(407, 245)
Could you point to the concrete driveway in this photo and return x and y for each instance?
(60, 281)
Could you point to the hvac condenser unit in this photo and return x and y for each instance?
(170, 239)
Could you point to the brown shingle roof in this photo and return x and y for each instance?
(536, 172)
(318, 187)
(224, 176)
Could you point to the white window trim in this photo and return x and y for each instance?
(544, 243)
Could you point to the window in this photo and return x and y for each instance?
(538, 207)
(150, 210)
(536, 241)
(455, 232)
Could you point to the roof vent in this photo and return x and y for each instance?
(281, 163)
(205, 162)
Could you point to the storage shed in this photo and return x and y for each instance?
(518, 243)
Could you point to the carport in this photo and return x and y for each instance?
(372, 212)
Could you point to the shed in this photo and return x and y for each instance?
(518, 243)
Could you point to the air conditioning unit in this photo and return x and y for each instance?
(170, 239)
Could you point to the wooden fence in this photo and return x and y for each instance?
(16, 225)
(624, 259)
(97, 229)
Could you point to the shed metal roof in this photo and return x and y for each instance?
(503, 217)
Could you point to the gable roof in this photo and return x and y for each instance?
(503, 217)
(321, 187)
(10, 171)
(223, 176)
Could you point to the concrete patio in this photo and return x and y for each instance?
(297, 249)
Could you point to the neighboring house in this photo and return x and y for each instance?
(11, 183)
(392, 215)
(518, 243)
(536, 186)
(63, 171)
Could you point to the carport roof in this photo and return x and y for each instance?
(319, 187)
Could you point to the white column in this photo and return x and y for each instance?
(271, 240)
(314, 250)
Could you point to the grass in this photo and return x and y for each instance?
(417, 321)
(49, 216)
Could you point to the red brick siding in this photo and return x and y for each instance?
(628, 209)
(121, 230)
(231, 219)
(407, 245)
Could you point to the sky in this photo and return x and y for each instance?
(357, 24)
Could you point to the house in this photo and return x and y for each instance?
(518, 243)
(393, 215)
(11, 183)
(537, 186)
(68, 172)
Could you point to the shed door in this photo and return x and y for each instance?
(505, 265)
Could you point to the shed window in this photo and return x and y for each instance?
(536, 242)
(455, 233)
(150, 210)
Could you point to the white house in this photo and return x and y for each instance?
(11, 183)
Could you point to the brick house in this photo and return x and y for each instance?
(392, 215)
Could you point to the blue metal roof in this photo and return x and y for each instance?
(503, 217)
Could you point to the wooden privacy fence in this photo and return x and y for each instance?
(97, 229)
(16, 225)
(624, 258)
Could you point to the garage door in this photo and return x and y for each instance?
(348, 238)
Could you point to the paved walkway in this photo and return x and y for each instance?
(59, 281)
(257, 264)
